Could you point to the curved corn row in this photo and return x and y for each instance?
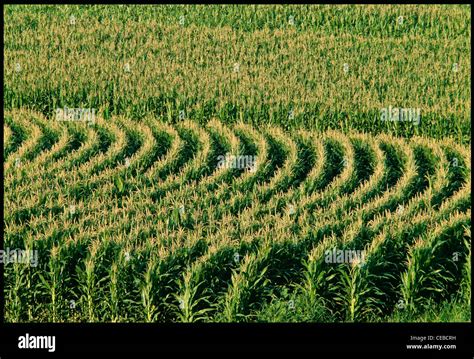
(27, 147)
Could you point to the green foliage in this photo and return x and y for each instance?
(134, 220)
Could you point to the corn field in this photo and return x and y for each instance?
(231, 157)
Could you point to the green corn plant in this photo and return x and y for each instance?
(113, 302)
(87, 287)
(313, 276)
(354, 294)
(14, 300)
(150, 310)
(466, 282)
(53, 282)
(246, 284)
(189, 302)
